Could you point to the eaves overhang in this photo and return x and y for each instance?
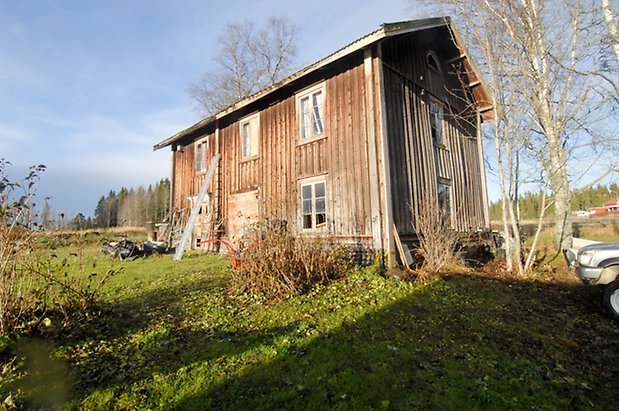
(386, 30)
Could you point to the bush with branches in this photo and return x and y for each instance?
(33, 283)
(277, 262)
(437, 239)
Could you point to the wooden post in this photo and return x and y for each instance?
(372, 152)
(482, 173)
(172, 182)
(387, 207)
(180, 248)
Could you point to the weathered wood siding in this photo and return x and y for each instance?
(187, 181)
(275, 174)
(364, 189)
(340, 156)
(184, 175)
(417, 164)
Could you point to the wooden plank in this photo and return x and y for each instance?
(384, 154)
(348, 152)
(359, 163)
(405, 255)
(373, 162)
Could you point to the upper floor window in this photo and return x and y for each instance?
(436, 123)
(313, 205)
(250, 128)
(432, 62)
(311, 119)
(201, 151)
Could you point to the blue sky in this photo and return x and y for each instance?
(88, 87)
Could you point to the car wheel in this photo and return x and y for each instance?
(611, 298)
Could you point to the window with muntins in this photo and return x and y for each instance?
(313, 205)
(311, 121)
(444, 203)
(201, 150)
(436, 123)
(249, 136)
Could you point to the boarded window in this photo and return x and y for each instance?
(444, 203)
(313, 205)
(311, 120)
(436, 123)
(250, 129)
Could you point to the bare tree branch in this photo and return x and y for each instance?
(248, 61)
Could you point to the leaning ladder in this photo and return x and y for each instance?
(180, 248)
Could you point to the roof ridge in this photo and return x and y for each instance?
(384, 30)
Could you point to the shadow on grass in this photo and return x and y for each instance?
(466, 342)
(461, 342)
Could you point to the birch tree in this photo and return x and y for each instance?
(541, 60)
(613, 30)
(249, 60)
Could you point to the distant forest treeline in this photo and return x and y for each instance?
(531, 203)
(133, 207)
(127, 208)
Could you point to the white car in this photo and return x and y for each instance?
(597, 264)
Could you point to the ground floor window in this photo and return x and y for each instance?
(444, 203)
(313, 205)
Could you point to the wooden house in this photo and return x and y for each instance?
(612, 205)
(346, 146)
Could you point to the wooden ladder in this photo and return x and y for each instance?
(188, 230)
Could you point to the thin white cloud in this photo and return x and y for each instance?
(14, 134)
(13, 139)
(18, 75)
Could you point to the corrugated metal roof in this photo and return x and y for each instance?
(384, 31)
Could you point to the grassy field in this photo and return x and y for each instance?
(174, 336)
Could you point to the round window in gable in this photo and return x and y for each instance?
(432, 62)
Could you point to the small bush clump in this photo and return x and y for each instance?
(279, 263)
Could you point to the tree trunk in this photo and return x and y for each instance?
(612, 27)
(560, 187)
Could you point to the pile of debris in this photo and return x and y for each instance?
(130, 250)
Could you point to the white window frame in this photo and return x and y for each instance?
(201, 152)
(317, 224)
(436, 111)
(253, 147)
(300, 98)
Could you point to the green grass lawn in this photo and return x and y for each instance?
(173, 336)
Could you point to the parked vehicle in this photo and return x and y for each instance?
(597, 264)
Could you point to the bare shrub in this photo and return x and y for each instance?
(279, 263)
(437, 239)
(33, 283)
(17, 291)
